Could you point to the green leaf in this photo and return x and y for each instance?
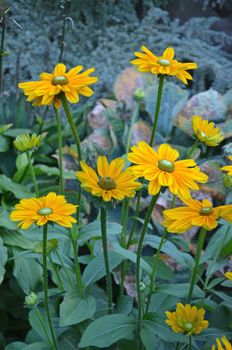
(170, 249)
(36, 324)
(162, 302)
(52, 171)
(3, 260)
(7, 185)
(74, 309)
(179, 290)
(6, 221)
(4, 144)
(124, 305)
(226, 249)
(27, 272)
(18, 345)
(93, 230)
(95, 270)
(15, 239)
(107, 330)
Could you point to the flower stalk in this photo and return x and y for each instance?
(200, 244)
(138, 261)
(125, 212)
(32, 173)
(106, 259)
(73, 238)
(60, 150)
(43, 325)
(45, 276)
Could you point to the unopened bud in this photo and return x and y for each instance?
(139, 95)
(31, 300)
(227, 180)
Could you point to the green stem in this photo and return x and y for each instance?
(133, 119)
(65, 269)
(200, 244)
(33, 173)
(77, 265)
(60, 150)
(3, 25)
(45, 275)
(106, 260)
(177, 346)
(125, 212)
(43, 325)
(190, 342)
(77, 142)
(154, 267)
(157, 110)
(60, 284)
(63, 31)
(154, 128)
(138, 260)
(135, 216)
(196, 143)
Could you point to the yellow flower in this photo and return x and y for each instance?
(46, 91)
(164, 64)
(187, 319)
(228, 168)
(222, 344)
(206, 132)
(110, 181)
(196, 213)
(228, 275)
(162, 169)
(27, 142)
(42, 210)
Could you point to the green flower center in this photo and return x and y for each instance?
(164, 62)
(45, 211)
(166, 165)
(205, 211)
(60, 80)
(188, 326)
(107, 183)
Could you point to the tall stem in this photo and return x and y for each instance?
(154, 267)
(138, 260)
(190, 343)
(125, 211)
(157, 110)
(33, 173)
(154, 128)
(200, 244)
(77, 265)
(45, 276)
(77, 142)
(196, 143)
(133, 119)
(106, 260)
(43, 325)
(3, 25)
(60, 150)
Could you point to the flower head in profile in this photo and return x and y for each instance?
(222, 344)
(228, 168)
(195, 213)
(28, 142)
(162, 168)
(46, 91)
(228, 275)
(187, 319)
(40, 211)
(110, 181)
(206, 132)
(146, 61)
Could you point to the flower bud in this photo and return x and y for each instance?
(139, 95)
(227, 180)
(31, 300)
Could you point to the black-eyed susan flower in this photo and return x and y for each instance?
(206, 132)
(187, 319)
(73, 83)
(50, 208)
(228, 168)
(162, 168)
(195, 213)
(146, 61)
(222, 344)
(228, 275)
(110, 181)
(27, 142)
